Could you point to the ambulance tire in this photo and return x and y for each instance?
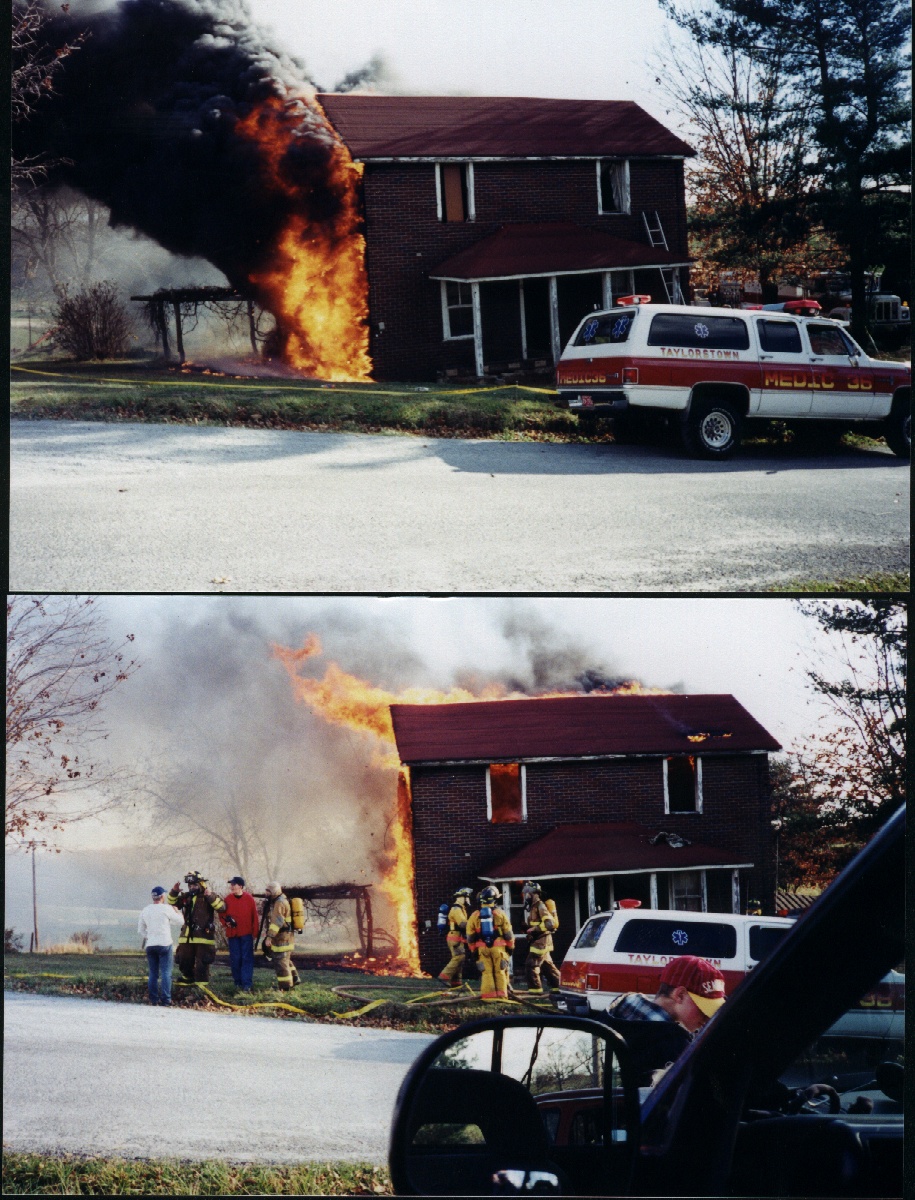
(712, 429)
(897, 429)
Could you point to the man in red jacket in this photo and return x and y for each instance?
(241, 931)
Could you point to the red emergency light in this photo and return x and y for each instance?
(629, 903)
(626, 301)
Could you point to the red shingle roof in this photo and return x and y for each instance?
(604, 848)
(572, 726)
(496, 127)
(550, 248)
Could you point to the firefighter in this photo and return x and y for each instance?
(490, 937)
(197, 943)
(456, 937)
(280, 939)
(541, 924)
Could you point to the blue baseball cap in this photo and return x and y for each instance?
(158, 891)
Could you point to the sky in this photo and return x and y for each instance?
(210, 718)
(574, 49)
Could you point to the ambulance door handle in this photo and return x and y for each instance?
(767, 357)
(813, 358)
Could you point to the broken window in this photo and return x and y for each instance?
(506, 793)
(457, 309)
(683, 784)
(613, 186)
(455, 191)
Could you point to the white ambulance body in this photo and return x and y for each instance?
(717, 368)
(625, 950)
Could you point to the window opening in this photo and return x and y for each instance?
(682, 784)
(457, 309)
(613, 186)
(686, 891)
(456, 191)
(506, 800)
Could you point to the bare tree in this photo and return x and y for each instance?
(61, 665)
(34, 66)
(54, 235)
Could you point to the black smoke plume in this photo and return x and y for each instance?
(144, 118)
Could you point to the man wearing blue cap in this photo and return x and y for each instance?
(155, 928)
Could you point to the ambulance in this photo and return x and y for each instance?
(716, 370)
(626, 949)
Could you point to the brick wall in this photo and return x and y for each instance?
(454, 843)
(405, 241)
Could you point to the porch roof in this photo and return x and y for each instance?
(605, 848)
(519, 251)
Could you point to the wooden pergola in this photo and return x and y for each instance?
(184, 303)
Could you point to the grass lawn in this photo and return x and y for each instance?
(69, 1175)
(897, 581)
(136, 391)
(408, 1004)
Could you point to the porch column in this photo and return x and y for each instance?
(577, 908)
(607, 290)
(653, 902)
(735, 891)
(523, 324)
(554, 319)
(704, 883)
(477, 327)
(592, 903)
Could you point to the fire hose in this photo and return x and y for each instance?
(281, 387)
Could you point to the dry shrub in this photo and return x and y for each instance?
(92, 323)
(67, 948)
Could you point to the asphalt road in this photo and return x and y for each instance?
(90, 1077)
(159, 508)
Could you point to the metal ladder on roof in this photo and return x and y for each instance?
(658, 241)
(656, 231)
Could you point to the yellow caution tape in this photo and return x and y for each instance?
(254, 384)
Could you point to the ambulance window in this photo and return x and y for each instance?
(764, 939)
(779, 337)
(709, 333)
(506, 796)
(590, 932)
(599, 331)
(705, 939)
(826, 339)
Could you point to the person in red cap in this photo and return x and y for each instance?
(658, 1030)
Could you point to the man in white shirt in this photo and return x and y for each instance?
(155, 928)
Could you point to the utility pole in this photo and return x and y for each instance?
(34, 903)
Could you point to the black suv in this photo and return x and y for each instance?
(777, 1096)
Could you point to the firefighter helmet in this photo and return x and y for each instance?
(489, 895)
(530, 887)
(194, 877)
(467, 892)
(273, 889)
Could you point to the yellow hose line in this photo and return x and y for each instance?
(303, 1012)
(360, 1011)
(275, 387)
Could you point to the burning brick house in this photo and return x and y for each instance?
(660, 798)
(493, 225)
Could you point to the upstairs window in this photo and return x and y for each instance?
(613, 186)
(683, 784)
(454, 187)
(457, 309)
(506, 793)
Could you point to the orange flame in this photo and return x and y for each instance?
(316, 285)
(346, 700)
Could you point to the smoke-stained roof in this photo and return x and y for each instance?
(603, 848)
(550, 248)
(576, 726)
(496, 126)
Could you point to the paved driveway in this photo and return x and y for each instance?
(175, 509)
(89, 1077)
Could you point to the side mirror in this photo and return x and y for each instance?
(508, 1105)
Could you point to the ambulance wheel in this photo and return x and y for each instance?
(713, 429)
(897, 429)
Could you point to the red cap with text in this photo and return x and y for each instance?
(704, 982)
